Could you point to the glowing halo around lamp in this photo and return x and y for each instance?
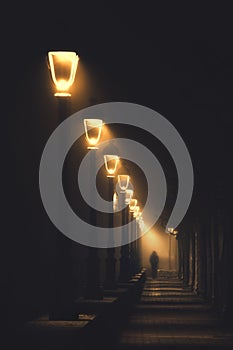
(123, 181)
(111, 161)
(63, 66)
(93, 129)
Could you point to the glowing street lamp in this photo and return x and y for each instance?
(136, 247)
(132, 204)
(170, 230)
(111, 162)
(93, 128)
(63, 66)
(123, 181)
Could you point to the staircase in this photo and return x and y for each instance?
(170, 315)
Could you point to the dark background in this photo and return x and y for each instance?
(174, 57)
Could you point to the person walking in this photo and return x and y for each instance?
(154, 261)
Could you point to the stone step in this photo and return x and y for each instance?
(146, 307)
(152, 341)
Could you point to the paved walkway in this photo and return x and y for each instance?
(171, 316)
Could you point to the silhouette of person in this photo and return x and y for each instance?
(154, 261)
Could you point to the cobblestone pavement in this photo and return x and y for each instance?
(171, 316)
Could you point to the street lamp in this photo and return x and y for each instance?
(111, 161)
(137, 243)
(63, 66)
(123, 182)
(133, 246)
(171, 231)
(132, 204)
(93, 128)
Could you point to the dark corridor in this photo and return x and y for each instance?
(170, 57)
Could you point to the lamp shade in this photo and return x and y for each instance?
(93, 128)
(123, 181)
(132, 204)
(63, 66)
(111, 162)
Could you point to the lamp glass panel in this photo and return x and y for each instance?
(93, 129)
(123, 181)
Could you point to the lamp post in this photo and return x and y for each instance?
(136, 215)
(94, 290)
(175, 234)
(111, 162)
(133, 259)
(123, 181)
(140, 223)
(171, 232)
(63, 67)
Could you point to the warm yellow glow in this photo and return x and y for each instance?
(128, 195)
(115, 201)
(170, 229)
(138, 215)
(63, 66)
(62, 94)
(93, 129)
(123, 181)
(132, 204)
(136, 211)
(158, 241)
(111, 162)
(142, 224)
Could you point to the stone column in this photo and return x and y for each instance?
(110, 280)
(125, 252)
(93, 289)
